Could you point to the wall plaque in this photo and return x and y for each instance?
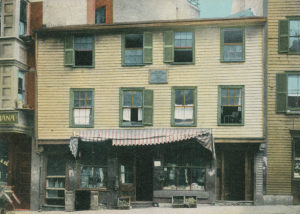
(158, 76)
(7, 117)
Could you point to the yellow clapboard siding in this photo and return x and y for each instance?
(55, 81)
(279, 139)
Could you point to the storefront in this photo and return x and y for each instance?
(103, 167)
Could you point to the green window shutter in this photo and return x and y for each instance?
(69, 51)
(123, 49)
(148, 108)
(71, 101)
(147, 47)
(172, 106)
(168, 46)
(121, 107)
(281, 92)
(283, 36)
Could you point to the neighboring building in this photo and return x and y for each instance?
(16, 98)
(133, 111)
(255, 6)
(283, 106)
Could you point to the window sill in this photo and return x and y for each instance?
(83, 66)
(231, 124)
(104, 189)
(233, 61)
(132, 65)
(291, 112)
(81, 126)
(182, 63)
(184, 125)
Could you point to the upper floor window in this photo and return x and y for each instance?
(100, 15)
(232, 45)
(288, 92)
(81, 107)
(23, 17)
(137, 49)
(0, 15)
(289, 36)
(178, 47)
(184, 106)
(79, 51)
(231, 105)
(21, 88)
(136, 107)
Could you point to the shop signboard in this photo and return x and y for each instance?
(8, 117)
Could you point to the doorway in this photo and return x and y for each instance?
(144, 174)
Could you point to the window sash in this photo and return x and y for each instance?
(82, 116)
(233, 46)
(93, 176)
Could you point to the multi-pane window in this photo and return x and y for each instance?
(296, 157)
(231, 105)
(126, 170)
(184, 105)
(79, 51)
(83, 50)
(23, 17)
(184, 168)
(100, 15)
(82, 107)
(294, 36)
(293, 98)
(232, 44)
(93, 165)
(136, 107)
(133, 49)
(133, 107)
(183, 47)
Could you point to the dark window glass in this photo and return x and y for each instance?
(294, 36)
(293, 91)
(100, 15)
(3, 162)
(134, 49)
(83, 48)
(231, 106)
(56, 166)
(183, 47)
(233, 44)
(23, 17)
(297, 158)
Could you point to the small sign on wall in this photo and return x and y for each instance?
(157, 163)
(158, 76)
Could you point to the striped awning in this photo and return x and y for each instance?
(140, 137)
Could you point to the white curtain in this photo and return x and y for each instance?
(126, 114)
(140, 114)
(82, 116)
(184, 113)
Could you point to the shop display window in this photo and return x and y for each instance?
(93, 165)
(3, 162)
(184, 168)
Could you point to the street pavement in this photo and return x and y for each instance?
(201, 209)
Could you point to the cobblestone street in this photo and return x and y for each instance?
(199, 210)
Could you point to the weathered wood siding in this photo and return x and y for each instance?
(55, 81)
(279, 140)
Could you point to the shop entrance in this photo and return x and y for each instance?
(136, 174)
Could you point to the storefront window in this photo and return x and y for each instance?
(93, 165)
(3, 162)
(184, 168)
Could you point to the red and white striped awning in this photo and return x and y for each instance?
(139, 137)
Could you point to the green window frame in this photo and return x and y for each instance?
(79, 51)
(232, 44)
(231, 105)
(81, 103)
(137, 49)
(181, 106)
(136, 107)
(289, 35)
(288, 92)
(179, 47)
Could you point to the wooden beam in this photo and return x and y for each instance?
(223, 177)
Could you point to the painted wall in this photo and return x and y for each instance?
(55, 13)
(108, 76)
(255, 5)
(279, 181)
(145, 10)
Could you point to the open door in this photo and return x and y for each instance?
(127, 178)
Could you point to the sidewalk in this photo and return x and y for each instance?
(201, 209)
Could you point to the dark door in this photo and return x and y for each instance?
(144, 174)
(234, 175)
